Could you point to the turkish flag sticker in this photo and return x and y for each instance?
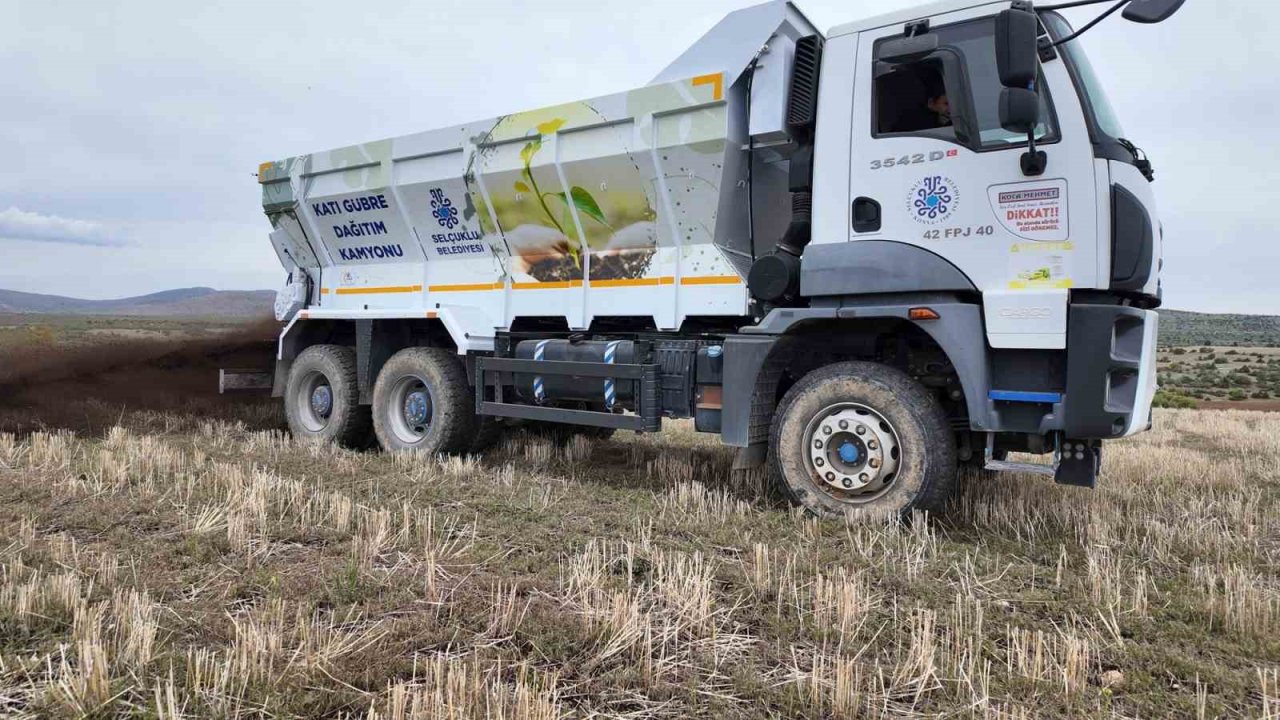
(953, 153)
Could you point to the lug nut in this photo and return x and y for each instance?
(848, 483)
(862, 429)
(819, 462)
(831, 476)
(844, 424)
(864, 477)
(874, 462)
(826, 430)
(873, 444)
(817, 444)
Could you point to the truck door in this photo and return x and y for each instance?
(930, 156)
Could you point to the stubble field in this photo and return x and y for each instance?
(188, 559)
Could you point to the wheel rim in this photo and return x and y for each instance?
(315, 401)
(853, 452)
(410, 409)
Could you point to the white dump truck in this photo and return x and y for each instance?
(868, 258)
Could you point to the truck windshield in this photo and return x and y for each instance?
(1095, 97)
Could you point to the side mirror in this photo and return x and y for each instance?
(1017, 57)
(1150, 12)
(1019, 110)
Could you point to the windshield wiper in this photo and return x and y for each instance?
(1139, 159)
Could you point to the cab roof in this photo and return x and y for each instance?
(932, 9)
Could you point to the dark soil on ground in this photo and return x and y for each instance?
(85, 388)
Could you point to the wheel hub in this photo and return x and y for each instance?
(849, 452)
(409, 409)
(417, 408)
(322, 401)
(853, 449)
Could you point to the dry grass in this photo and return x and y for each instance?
(181, 565)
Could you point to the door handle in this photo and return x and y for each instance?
(866, 215)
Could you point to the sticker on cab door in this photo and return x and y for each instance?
(933, 199)
(1040, 265)
(1032, 211)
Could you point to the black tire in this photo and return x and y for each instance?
(911, 420)
(488, 431)
(341, 419)
(448, 423)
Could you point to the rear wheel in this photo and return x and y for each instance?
(322, 398)
(489, 431)
(422, 402)
(859, 438)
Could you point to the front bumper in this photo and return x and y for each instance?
(1111, 371)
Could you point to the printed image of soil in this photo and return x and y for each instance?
(616, 265)
(622, 265)
(555, 268)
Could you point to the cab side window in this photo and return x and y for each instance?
(912, 98)
(952, 93)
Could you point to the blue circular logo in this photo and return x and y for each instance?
(442, 209)
(933, 199)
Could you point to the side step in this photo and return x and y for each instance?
(1075, 463)
(497, 373)
(1016, 467)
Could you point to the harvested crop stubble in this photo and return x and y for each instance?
(191, 565)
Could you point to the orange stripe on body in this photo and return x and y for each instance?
(711, 280)
(464, 287)
(628, 282)
(379, 290)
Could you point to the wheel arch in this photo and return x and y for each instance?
(757, 360)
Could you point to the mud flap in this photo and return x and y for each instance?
(1079, 463)
(752, 456)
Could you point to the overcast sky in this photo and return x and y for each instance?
(130, 131)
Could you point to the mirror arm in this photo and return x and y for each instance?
(1091, 23)
(1034, 162)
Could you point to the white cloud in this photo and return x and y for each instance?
(18, 224)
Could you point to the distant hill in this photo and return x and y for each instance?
(1180, 329)
(197, 301)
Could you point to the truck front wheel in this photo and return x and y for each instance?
(422, 402)
(322, 398)
(859, 438)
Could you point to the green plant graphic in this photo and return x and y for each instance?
(580, 197)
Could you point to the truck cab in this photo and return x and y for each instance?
(1042, 240)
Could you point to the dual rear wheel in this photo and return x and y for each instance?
(322, 398)
(421, 402)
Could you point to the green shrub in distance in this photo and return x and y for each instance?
(1174, 399)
